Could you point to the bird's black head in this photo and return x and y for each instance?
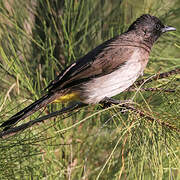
(149, 28)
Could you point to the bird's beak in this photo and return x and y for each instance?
(168, 28)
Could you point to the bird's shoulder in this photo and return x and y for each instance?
(102, 60)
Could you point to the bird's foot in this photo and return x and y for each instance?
(107, 102)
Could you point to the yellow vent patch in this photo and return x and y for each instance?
(68, 97)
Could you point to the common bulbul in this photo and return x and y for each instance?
(106, 71)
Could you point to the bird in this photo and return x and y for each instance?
(107, 70)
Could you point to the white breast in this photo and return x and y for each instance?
(115, 82)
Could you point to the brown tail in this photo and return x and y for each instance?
(42, 102)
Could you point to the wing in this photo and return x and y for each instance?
(100, 61)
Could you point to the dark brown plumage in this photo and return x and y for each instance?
(105, 71)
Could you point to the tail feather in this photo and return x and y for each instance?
(42, 102)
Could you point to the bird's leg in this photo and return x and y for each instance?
(107, 102)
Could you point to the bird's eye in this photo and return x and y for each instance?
(158, 27)
(144, 32)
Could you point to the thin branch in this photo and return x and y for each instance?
(151, 89)
(142, 114)
(156, 77)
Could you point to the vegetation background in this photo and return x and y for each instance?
(40, 38)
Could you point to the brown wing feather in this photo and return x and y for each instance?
(100, 61)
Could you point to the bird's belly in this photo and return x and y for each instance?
(112, 84)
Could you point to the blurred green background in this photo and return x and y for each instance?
(40, 38)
